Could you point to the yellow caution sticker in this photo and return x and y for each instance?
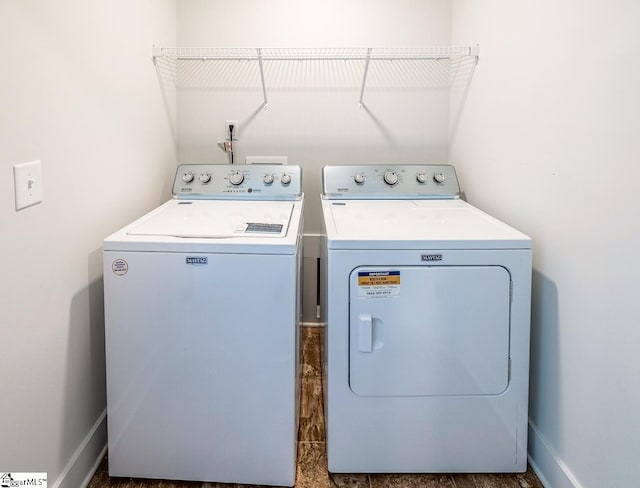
(378, 284)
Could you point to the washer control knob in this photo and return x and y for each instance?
(285, 179)
(390, 178)
(421, 177)
(439, 177)
(236, 178)
(205, 178)
(359, 178)
(268, 179)
(187, 177)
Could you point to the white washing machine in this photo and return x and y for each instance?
(202, 305)
(428, 317)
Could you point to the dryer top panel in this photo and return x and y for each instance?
(390, 182)
(415, 224)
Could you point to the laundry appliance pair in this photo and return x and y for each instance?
(427, 306)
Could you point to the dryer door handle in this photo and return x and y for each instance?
(365, 333)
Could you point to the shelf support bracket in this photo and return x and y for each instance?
(364, 77)
(156, 52)
(264, 88)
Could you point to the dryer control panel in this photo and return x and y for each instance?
(238, 182)
(408, 181)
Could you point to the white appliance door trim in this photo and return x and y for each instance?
(429, 330)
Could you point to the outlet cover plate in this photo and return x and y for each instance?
(28, 184)
(227, 132)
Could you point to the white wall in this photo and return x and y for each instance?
(313, 116)
(79, 92)
(548, 141)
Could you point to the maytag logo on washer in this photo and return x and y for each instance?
(197, 260)
(432, 257)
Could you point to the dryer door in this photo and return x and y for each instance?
(429, 330)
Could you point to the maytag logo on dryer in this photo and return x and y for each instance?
(432, 257)
(197, 260)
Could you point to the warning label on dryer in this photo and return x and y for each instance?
(378, 284)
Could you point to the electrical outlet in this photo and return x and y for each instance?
(28, 184)
(227, 131)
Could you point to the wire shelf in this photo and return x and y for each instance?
(365, 55)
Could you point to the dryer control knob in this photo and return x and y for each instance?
(439, 178)
(236, 178)
(187, 177)
(268, 178)
(285, 179)
(421, 177)
(359, 178)
(205, 178)
(390, 178)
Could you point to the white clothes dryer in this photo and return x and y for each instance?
(202, 305)
(427, 299)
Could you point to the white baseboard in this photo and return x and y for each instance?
(86, 459)
(314, 324)
(546, 462)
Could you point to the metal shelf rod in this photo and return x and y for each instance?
(264, 87)
(319, 58)
(284, 54)
(364, 78)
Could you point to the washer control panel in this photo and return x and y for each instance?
(407, 181)
(238, 182)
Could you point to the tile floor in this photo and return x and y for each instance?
(312, 459)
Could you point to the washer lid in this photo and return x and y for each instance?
(219, 219)
(222, 226)
(415, 224)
